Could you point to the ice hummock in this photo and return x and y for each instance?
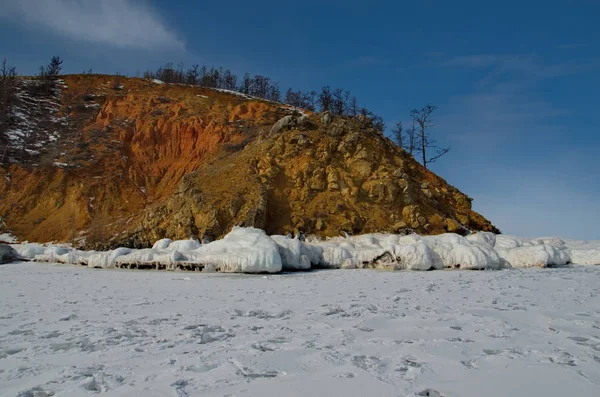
(251, 250)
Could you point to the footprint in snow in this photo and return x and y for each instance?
(469, 364)
(23, 332)
(35, 392)
(430, 393)
(564, 358)
(251, 374)
(180, 386)
(578, 338)
(200, 369)
(370, 364)
(10, 351)
(347, 375)
(490, 352)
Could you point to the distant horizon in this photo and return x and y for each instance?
(516, 93)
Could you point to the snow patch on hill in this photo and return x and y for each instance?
(35, 119)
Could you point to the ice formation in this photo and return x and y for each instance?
(250, 250)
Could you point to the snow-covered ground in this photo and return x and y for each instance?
(76, 331)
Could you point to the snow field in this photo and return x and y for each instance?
(250, 250)
(73, 331)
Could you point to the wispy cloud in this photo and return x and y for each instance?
(571, 46)
(367, 61)
(503, 104)
(516, 138)
(117, 23)
(496, 117)
(518, 65)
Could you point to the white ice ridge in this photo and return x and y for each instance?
(250, 250)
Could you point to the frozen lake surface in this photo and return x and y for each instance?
(75, 331)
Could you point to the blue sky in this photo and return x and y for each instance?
(516, 82)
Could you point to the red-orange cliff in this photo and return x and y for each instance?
(124, 161)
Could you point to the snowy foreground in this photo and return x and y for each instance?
(250, 250)
(76, 331)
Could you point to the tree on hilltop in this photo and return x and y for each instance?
(398, 135)
(422, 118)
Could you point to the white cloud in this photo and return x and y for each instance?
(118, 23)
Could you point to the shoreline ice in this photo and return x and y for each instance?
(251, 250)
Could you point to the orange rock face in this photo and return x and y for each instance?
(147, 161)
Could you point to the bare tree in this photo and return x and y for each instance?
(377, 122)
(398, 135)
(299, 99)
(325, 99)
(209, 77)
(274, 93)
(340, 101)
(292, 97)
(353, 107)
(166, 73)
(261, 86)
(191, 76)
(411, 134)
(229, 80)
(310, 100)
(422, 118)
(246, 85)
(373, 119)
(180, 74)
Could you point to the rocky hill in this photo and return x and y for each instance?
(106, 161)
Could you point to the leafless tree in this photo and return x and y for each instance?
(180, 74)
(398, 135)
(246, 84)
(411, 135)
(325, 99)
(261, 86)
(229, 80)
(353, 107)
(373, 119)
(274, 93)
(293, 98)
(340, 102)
(299, 99)
(422, 118)
(191, 76)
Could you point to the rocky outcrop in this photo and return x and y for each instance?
(179, 162)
